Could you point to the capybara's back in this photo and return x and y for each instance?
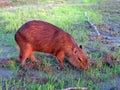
(44, 37)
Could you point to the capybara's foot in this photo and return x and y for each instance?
(60, 68)
(39, 62)
(23, 64)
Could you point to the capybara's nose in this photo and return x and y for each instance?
(86, 68)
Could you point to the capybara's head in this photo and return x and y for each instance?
(78, 58)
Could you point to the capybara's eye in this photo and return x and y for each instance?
(79, 59)
(80, 46)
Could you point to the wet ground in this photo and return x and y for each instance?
(110, 31)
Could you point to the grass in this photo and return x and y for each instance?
(64, 16)
(71, 18)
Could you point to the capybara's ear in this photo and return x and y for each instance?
(80, 46)
(74, 50)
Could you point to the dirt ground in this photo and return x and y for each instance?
(110, 31)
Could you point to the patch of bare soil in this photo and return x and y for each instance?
(112, 84)
(29, 76)
(6, 49)
(110, 30)
(10, 3)
(30, 73)
(29, 65)
(6, 3)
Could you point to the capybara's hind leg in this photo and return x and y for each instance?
(25, 52)
(32, 57)
(22, 59)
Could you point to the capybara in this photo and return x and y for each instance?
(44, 37)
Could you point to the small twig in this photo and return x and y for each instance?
(88, 20)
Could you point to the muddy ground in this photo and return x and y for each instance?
(109, 29)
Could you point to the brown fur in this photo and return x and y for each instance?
(45, 37)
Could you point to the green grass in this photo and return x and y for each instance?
(71, 18)
(64, 16)
(67, 78)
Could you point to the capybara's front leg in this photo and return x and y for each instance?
(60, 57)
